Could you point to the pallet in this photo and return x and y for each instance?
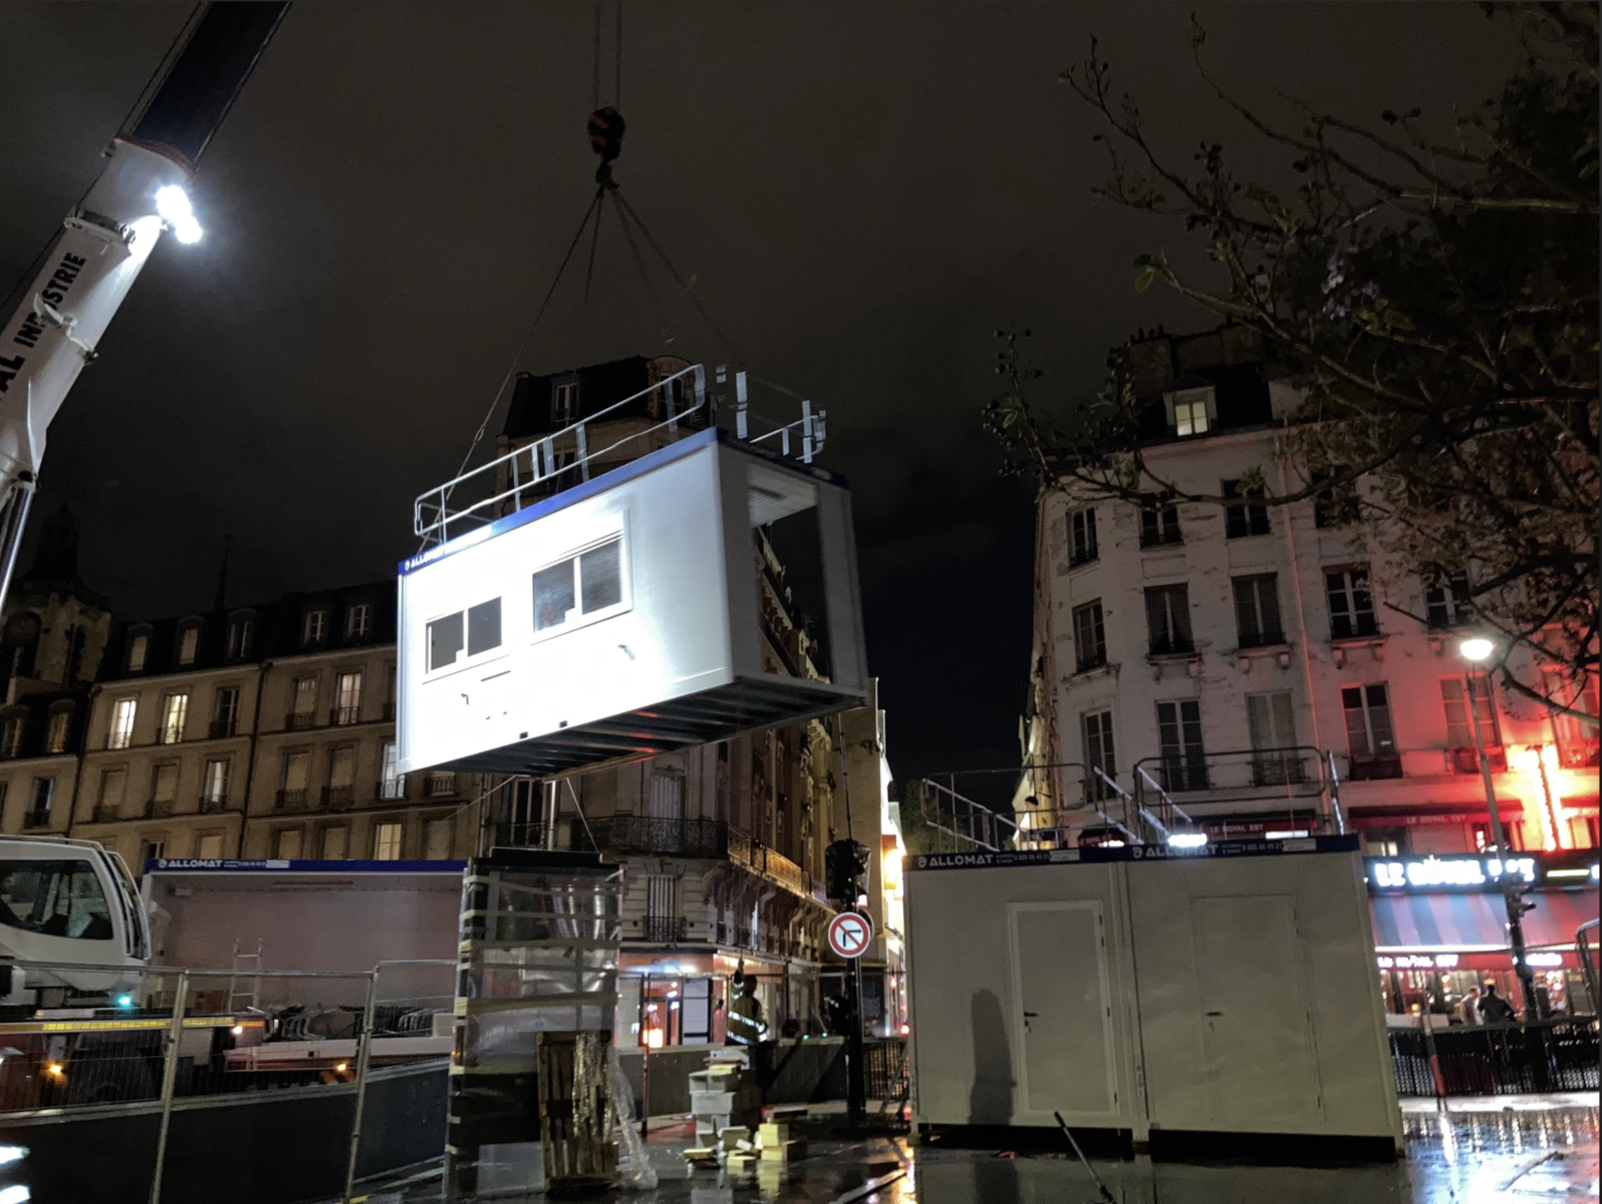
(575, 1113)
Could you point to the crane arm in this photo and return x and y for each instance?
(106, 240)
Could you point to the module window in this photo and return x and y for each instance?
(584, 586)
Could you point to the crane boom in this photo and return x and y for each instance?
(106, 240)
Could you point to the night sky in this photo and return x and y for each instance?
(863, 193)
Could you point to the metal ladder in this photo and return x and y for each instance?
(246, 967)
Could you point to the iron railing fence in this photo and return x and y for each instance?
(1496, 1059)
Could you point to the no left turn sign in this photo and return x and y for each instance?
(850, 934)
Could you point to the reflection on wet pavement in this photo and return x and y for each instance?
(1523, 1156)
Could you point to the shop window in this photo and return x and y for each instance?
(1246, 516)
(1084, 537)
(1168, 620)
(1351, 605)
(1257, 611)
(1090, 637)
(1159, 520)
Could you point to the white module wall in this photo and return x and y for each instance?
(1220, 992)
(618, 619)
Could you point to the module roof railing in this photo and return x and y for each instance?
(565, 457)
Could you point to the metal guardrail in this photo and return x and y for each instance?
(163, 1034)
(1496, 1059)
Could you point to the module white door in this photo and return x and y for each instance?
(1059, 961)
(1256, 1020)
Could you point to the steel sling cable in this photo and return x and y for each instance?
(674, 272)
(645, 275)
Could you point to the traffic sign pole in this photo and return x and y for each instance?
(850, 935)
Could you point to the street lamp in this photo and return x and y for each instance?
(1475, 650)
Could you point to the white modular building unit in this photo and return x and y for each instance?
(1168, 995)
(620, 618)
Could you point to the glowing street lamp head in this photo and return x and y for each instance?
(1477, 648)
(172, 203)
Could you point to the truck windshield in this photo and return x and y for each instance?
(54, 898)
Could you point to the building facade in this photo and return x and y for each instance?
(247, 732)
(722, 845)
(1268, 669)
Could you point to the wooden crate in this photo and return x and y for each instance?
(575, 1114)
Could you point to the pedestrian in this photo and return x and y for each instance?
(1469, 1007)
(1494, 1009)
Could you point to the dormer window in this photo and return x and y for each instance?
(138, 648)
(314, 627)
(59, 729)
(359, 621)
(241, 634)
(564, 403)
(188, 644)
(1192, 408)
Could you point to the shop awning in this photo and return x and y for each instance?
(1467, 922)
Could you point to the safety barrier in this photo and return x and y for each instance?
(1496, 1059)
(132, 1046)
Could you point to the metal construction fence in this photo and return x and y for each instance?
(125, 1040)
(1496, 1059)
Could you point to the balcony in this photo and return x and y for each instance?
(300, 721)
(439, 785)
(339, 798)
(221, 729)
(160, 808)
(344, 716)
(1171, 645)
(662, 837)
(1374, 768)
(390, 789)
(211, 806)
(1467, 760)
(1094, 660)
(36, 818)
(665, 929)
(1262, 639)
(1579, 756)
(290, 800)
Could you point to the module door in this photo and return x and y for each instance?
(1064, 1062)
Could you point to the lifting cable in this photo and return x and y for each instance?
(606, 128)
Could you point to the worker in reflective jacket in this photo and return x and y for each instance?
(746, 1026)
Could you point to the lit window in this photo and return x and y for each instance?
(313, 628)
(56, 735)
(188, 645)
(1191, 406)
(393, 782)
(214, 787)
(123, 712)
(387, 841)
(348, 698)
(138, 645)
(174, 710)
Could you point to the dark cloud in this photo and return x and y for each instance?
(863, 193)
